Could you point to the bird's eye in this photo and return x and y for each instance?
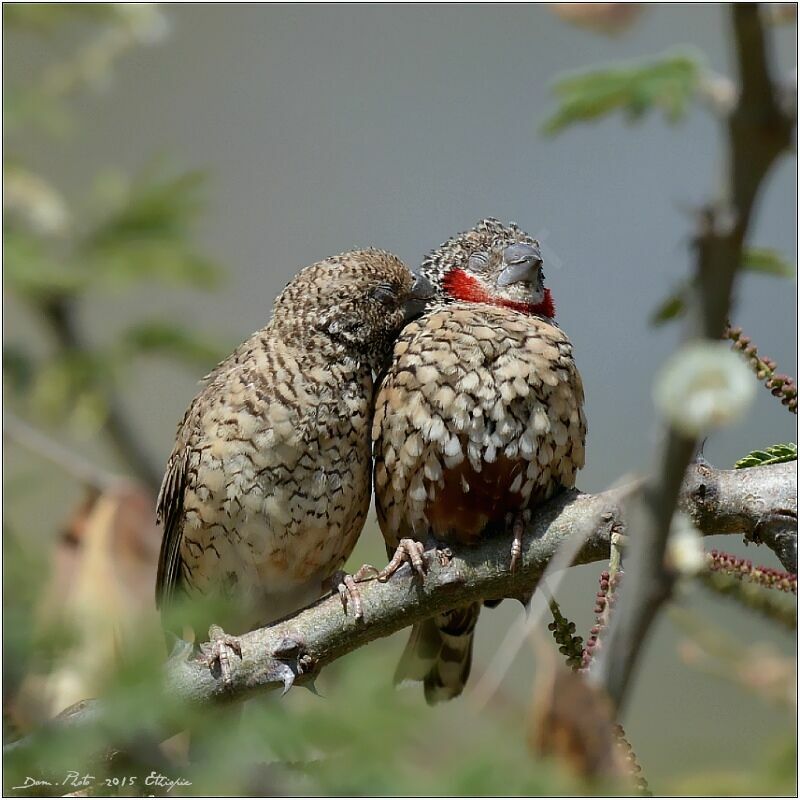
(385, 293)
(478, 262)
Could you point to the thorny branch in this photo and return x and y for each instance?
(719, 501)
(758, 131)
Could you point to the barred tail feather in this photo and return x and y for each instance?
(439, 653)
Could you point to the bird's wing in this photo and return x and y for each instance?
(169, 512)
(252, 403)
(170, 503)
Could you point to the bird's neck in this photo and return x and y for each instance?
(460, 285)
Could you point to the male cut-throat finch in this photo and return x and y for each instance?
(478, 420)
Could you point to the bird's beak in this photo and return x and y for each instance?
(523, 262)
(421, 293)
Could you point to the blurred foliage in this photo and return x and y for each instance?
(774, 775)
(758, 668)
(44, 18)
(611, 19)
(756, 259)
(117, 28)
(776, 454)
(750, 595)
(361, 737)
(63, 255)
(164, 338)
(672, 307)
(668, 83)
(768, 261)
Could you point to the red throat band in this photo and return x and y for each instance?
(462, 286)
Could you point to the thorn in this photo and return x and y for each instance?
(312, 687)
(288, 681)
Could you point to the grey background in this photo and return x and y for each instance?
(329, 127)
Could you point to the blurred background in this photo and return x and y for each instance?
(168, 170)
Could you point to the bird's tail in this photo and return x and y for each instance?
(439, 653)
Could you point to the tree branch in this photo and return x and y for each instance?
(758, 132)
(720, 501)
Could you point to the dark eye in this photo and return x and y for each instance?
(478, 262)
(385, 293)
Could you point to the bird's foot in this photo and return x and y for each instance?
(409, 551)
(515, 522)
(221, 646)
(345, 584)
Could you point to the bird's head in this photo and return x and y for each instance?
(360, 300)
(495, 263)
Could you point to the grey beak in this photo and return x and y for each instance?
(421, 293)
(523, 264)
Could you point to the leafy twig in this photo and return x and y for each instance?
(603, 607)
(563, 632)
(744, 570)
(634, 766)
(758, 132)
(776, 454)
(781, 386)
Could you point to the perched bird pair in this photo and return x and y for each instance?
(478, 418)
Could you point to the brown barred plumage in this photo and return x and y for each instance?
(268, 486)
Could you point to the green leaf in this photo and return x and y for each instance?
(146, 238)
(157, 337)
(74, 384)
(148, 235)
(31, 202)
(671, 308)
(33, 272)
(763, 260)
(154, 208)
(27, 106)
(777, 454)
(152, 261)
(768, 261)
(19, 367)
(45, 17)
(668, 83)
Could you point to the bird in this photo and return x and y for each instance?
(478, 420)
(269, 483)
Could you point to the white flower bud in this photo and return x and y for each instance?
(702, 386)
(685, 553)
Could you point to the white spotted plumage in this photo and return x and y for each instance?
(479, 416)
